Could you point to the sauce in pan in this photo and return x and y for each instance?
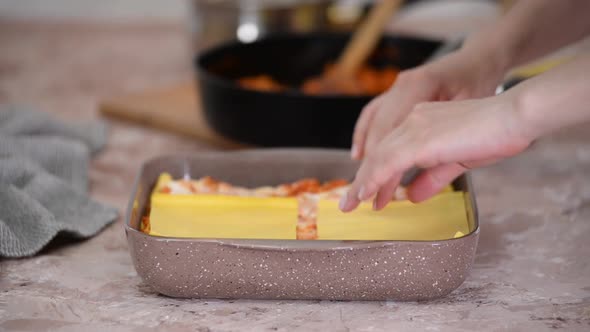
(367, 81)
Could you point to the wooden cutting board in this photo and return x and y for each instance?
(174, 108)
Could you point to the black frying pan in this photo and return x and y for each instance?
(290, 118)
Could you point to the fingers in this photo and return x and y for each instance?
(362, 125)
(411, 87)
(479, 163)
(446, 138)
(386, 193)
(383, 120)
(426, 185)
(377, 170)
(431, 181)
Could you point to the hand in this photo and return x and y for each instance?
(465, 74)
(445, 139)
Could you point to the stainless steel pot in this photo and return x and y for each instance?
(216, 21)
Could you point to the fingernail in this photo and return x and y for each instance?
(361, 194)
(343, 202)
(354, 152)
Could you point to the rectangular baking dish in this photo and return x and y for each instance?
(290, 269)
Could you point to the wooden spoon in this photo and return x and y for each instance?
(358, 49)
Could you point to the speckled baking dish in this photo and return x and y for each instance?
(290, 269)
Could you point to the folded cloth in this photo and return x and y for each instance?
(43, 180)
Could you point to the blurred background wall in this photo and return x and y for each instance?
(95, 9)
(131, 10)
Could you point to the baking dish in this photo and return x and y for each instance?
(290, 269)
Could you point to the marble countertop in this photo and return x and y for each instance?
(531, 272)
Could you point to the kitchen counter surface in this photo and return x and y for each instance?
(531, 273)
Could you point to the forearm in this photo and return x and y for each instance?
(554, 100)
(532, 28)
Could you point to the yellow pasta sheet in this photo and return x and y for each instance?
(210, 216)
(442, 217)
(220, 216)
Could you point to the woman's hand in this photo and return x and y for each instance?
(445, 139)
(475, 70)
(464, 74)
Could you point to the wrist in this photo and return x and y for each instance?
(491, 53)
(526, 113)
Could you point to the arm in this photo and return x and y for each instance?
(490, 129)
(557, 99)
(532, 28)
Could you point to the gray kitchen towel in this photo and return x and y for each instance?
(43, 180)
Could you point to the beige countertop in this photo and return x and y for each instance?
(532, 270)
